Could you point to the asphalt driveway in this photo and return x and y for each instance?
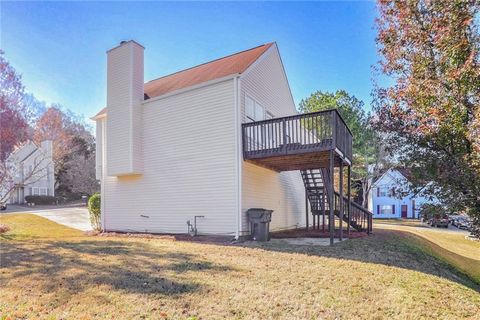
(74, 217)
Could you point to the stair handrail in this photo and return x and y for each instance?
(367, 216)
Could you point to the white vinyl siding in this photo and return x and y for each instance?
(284, 193)
(124, 98)
(189, 167)
(281, 192)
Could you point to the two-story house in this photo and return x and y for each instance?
(32, 171)
(389, 196)
(215, 140)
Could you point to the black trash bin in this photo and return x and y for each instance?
(260, 223)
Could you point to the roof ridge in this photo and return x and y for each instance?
(201, 64)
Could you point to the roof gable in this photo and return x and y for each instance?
(24, 151)
(233, 64)
(393, 174)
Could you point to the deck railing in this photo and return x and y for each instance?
(304, 133)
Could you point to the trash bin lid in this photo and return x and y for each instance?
(259, 214)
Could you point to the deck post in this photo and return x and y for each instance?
(349, 195)
(306, 209)
(323, 209)
(341, 199)
(331, 196)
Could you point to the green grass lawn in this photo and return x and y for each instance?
(452, 247)
(53, 272)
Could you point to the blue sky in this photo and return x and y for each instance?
(59, 47)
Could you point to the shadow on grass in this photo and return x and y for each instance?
(388, 247)
(130, 267)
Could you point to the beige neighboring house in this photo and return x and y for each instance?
(33, 171)
(214, 140)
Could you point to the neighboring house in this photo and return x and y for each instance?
(172, 148)
(32, 171)
(390, 197)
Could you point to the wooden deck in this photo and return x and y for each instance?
(298, 142)
(314, 143)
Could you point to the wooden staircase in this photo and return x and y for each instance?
(315, 181)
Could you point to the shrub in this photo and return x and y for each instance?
(95, 213)
(41, 199)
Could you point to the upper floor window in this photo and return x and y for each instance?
(254, 111)
(382, 192)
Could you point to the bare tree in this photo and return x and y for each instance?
(80, 174)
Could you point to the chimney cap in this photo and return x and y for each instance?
(125, 42)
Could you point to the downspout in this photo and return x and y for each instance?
(238, 153)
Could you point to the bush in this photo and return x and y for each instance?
(95, 213)
(475, 231)
(41, 199)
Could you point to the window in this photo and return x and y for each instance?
(386, 209)
(36, 191)
(382, 192)
(253, 110)
(249, 109)
(43, 191)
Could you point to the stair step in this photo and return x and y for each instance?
(317, 193)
